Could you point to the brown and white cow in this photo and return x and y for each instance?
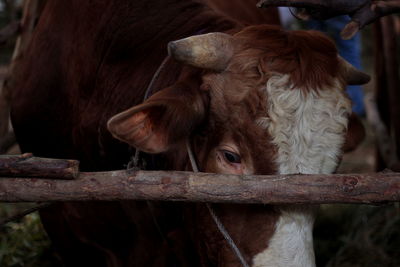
(269, 101)
(261, 101)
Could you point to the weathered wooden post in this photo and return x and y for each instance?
(387, 85)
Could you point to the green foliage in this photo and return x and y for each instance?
(24, 243)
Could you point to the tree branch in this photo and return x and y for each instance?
(28, 166)
(203, 187)
(362, 12)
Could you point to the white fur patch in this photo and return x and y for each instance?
(292, 244)
(308, 129)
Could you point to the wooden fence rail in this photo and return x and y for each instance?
(373, 188)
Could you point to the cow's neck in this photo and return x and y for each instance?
(307, 143)
(292, 243)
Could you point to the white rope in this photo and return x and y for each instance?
(214, 216)
(134, 163)
(195, 168)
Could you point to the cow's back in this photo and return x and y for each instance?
(245, 12)
(89, 60)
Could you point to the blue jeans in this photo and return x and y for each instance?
(349, 50)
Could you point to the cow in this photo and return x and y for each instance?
(249, 100)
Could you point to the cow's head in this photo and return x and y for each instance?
(266, 101)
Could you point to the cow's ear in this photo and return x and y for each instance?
(355, 133)
(165, 119)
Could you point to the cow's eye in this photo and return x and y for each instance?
(231, 156)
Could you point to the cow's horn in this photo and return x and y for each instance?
(211, 51)
(352, 75)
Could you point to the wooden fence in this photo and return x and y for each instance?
(184, 186)
(59, 180)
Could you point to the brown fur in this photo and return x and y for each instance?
(250, 226)
(225, 106)
(245, 12)
(308, 56)
(88, 61)
(91, 60)
(355, 133)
